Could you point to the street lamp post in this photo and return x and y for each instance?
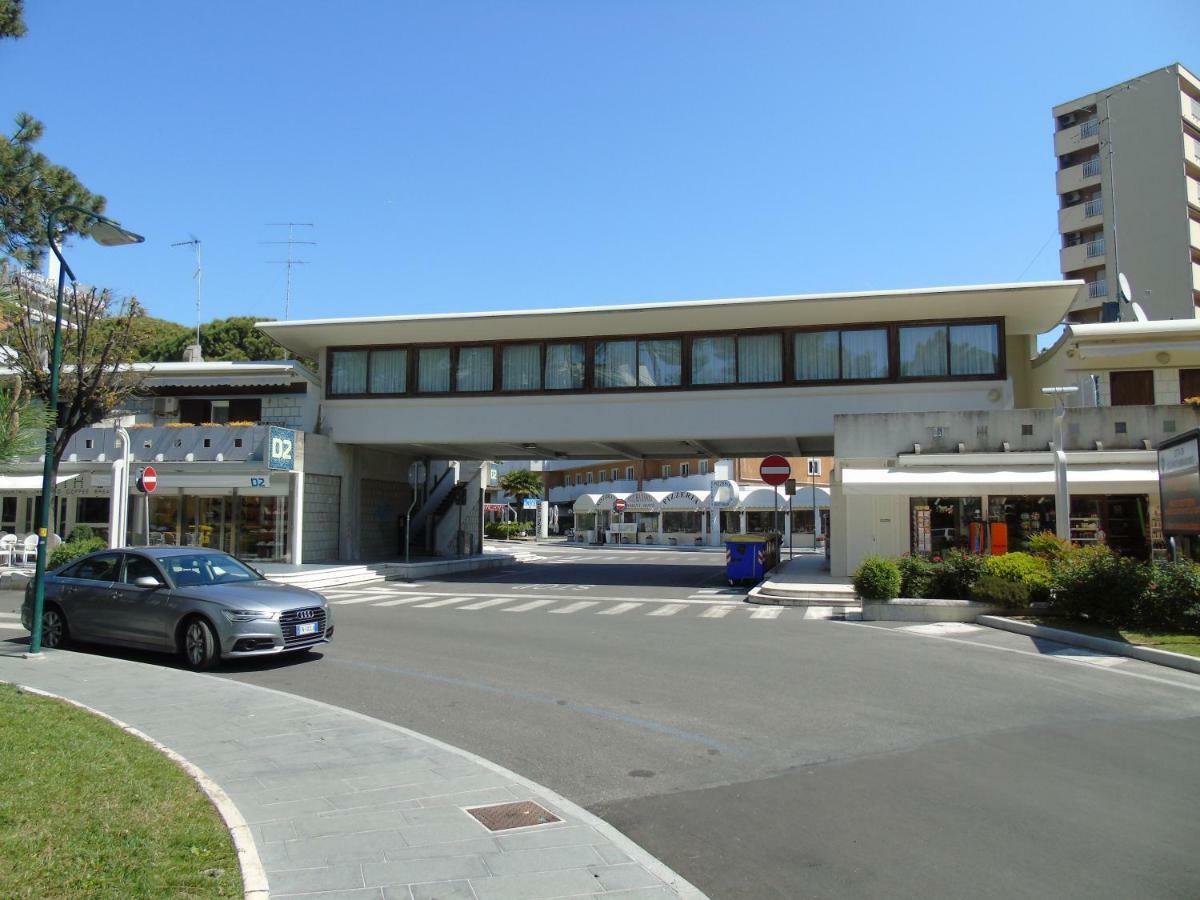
(1062, 497)
(106, 233)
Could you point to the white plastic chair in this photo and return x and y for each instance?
(29, 549)
(8, 546)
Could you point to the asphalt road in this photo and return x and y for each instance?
(772, 754)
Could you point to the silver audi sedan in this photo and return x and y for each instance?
(202, 604)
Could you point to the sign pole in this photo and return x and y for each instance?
(791, 530)
(812, 486)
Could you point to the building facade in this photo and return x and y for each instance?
(1128, 185)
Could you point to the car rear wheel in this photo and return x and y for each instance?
(200, 649)
(54, 628)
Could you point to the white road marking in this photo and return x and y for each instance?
(16, 625)
(942, 628)
(767, 613)
(818, 612)
(521, 596)
(8, 615)
(1089, 656)
(532, 604)
(403, 600)
(370, 598)
(484, 604)
(444, 602)
(574, 607)
(669, 610)
(716, 612)
(618, 609)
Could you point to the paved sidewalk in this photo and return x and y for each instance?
(345, 806)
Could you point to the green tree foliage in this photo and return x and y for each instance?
(150, 339)
(233, 339)
(521, 483)
(30, 188)
(12, 19)
(30, 185)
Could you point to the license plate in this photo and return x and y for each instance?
(307, 628)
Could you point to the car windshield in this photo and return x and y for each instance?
(187, 570)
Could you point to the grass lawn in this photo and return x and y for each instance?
(87, 810)
(1174, 641)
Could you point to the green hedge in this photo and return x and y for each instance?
(877, 579)
(503, 530)
(1092, 582)
(72, 550)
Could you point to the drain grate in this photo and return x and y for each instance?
(504, 816)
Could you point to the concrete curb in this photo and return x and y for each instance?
(676, 882)
(254, 877)
(1103, 645)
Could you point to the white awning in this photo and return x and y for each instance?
(606, 501)
(585, 503)
(997, 480)
(645, 501)
(685, 501)
(12, 483)
(763, 498)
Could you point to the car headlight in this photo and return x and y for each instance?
(250, 615)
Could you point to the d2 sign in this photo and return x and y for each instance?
(281, 448)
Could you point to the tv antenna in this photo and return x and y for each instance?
(194, 243)
(291, 258)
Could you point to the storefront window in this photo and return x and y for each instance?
(164, 520)
(731, 522)
(802, 521)
(647, 523)
(686, 522)
(943, 523)
(1023, 517)
(262, 527)
(206, 523)
(1120, 521)
(763, 522)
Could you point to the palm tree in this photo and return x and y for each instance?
(521, 483)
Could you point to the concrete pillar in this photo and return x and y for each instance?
(543, 520)
(714, 531)
(296, 550)
(742, 522)
(661, 516)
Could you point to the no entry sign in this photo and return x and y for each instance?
(148, 480)
(619, 505)
(775, 470)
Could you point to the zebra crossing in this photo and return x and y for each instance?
(561, 557)
(712, 604)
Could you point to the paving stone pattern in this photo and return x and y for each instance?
(341, 805)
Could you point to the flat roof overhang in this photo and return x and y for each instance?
(1028, 308)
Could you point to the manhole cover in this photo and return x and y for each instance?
(504, 816)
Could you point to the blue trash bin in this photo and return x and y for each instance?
(746, 558)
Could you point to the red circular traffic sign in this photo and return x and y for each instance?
(775, 470)
(619, 505)
(148, 480)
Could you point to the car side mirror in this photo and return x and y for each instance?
(147, 581)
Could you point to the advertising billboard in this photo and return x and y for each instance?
(1179, 484)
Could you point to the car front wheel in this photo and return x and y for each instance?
(200, 650)
(54, 628)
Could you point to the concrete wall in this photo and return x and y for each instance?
(297, 411)
(753, 421)
(322, 517)
(1118, 428)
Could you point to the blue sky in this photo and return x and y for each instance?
(491, 155)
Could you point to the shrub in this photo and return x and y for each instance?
(1048, 546)
(955, 573)
(80, 533)
(1171, 599)
(72, 550)
(877, 578)
(916, 577)
(1033, 572)
(1096, 583)
(1001, 591)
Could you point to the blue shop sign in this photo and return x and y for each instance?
(281, 448)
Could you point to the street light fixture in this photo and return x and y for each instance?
(106, 233)
(1062, 497)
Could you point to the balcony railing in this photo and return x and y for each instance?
(1090, 127)
(1091, 168)
(1095, 248)
(1097, 289)
(1093, 207)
